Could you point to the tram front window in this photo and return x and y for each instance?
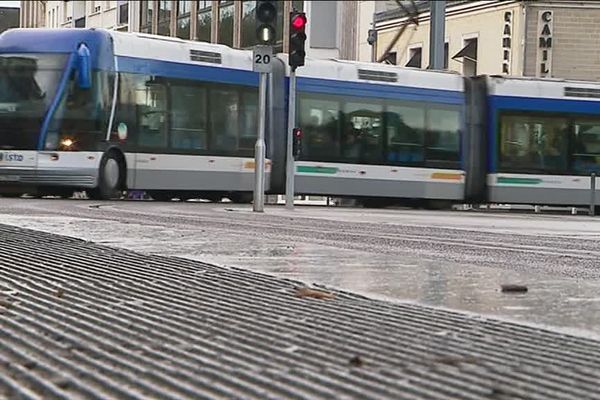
(80, 120)
(28, 84)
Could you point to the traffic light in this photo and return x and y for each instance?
(297, 38)
(297, 142)
(266, 14)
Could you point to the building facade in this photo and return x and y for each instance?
(522, 38)
(331, 31)
(335, 28)
(86, 14)
(33, 14)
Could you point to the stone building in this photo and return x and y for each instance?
(507, 37)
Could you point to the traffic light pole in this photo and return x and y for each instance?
(290, 164)
(259, 148)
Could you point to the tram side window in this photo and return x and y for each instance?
(125, 113)
(188, 117)
(152, 112)
(362, 136)
(533, 143)
(224, 117)
(443, 139)
(248, 120)
(586, 156)
(405, 135)
(319, 121)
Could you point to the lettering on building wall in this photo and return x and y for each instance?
(544, 53)
(507, 42)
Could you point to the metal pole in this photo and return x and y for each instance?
(289, 166)
(259, 148)
(593, 194)
(436, 34)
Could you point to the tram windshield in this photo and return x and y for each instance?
(28, 84)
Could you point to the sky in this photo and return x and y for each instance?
(6, 3)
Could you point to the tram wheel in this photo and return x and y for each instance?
(374, 202)
(161, 196)
(241, 197)
(214, 197)
(438, 205)
(63, 193)
(111, 178)
(184, 196)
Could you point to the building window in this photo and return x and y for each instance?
(67, 12)
(226, 10)
(414, 57)
(391, 58)
(298, 5)
(446, 55)
(248, 33)
(278, 48)
(123, 12)
(183, 19)
(204, 21)
(95, 7)
(468, 56)
(164, 18)
(146, 13)
(183, 7)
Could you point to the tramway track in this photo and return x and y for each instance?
(574, 257)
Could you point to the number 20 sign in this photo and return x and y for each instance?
(262, 58)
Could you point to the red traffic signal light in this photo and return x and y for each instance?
(296, 39)
(297, 142)
(298, 21)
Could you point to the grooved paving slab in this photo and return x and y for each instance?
(79, 320)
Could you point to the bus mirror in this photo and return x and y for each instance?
(84, 67)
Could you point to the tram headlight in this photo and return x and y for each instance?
(67, 144)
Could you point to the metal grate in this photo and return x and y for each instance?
(80, 320)
(205, 56)
(582, 92)
(383, 76)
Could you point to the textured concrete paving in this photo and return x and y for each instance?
(79, 320)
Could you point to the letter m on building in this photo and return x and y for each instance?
(545, 43)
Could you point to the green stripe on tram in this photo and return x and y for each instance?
(316, 170)
(518, 181)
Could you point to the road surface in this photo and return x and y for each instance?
(455, 260)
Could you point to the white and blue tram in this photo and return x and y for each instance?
(104, 111)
